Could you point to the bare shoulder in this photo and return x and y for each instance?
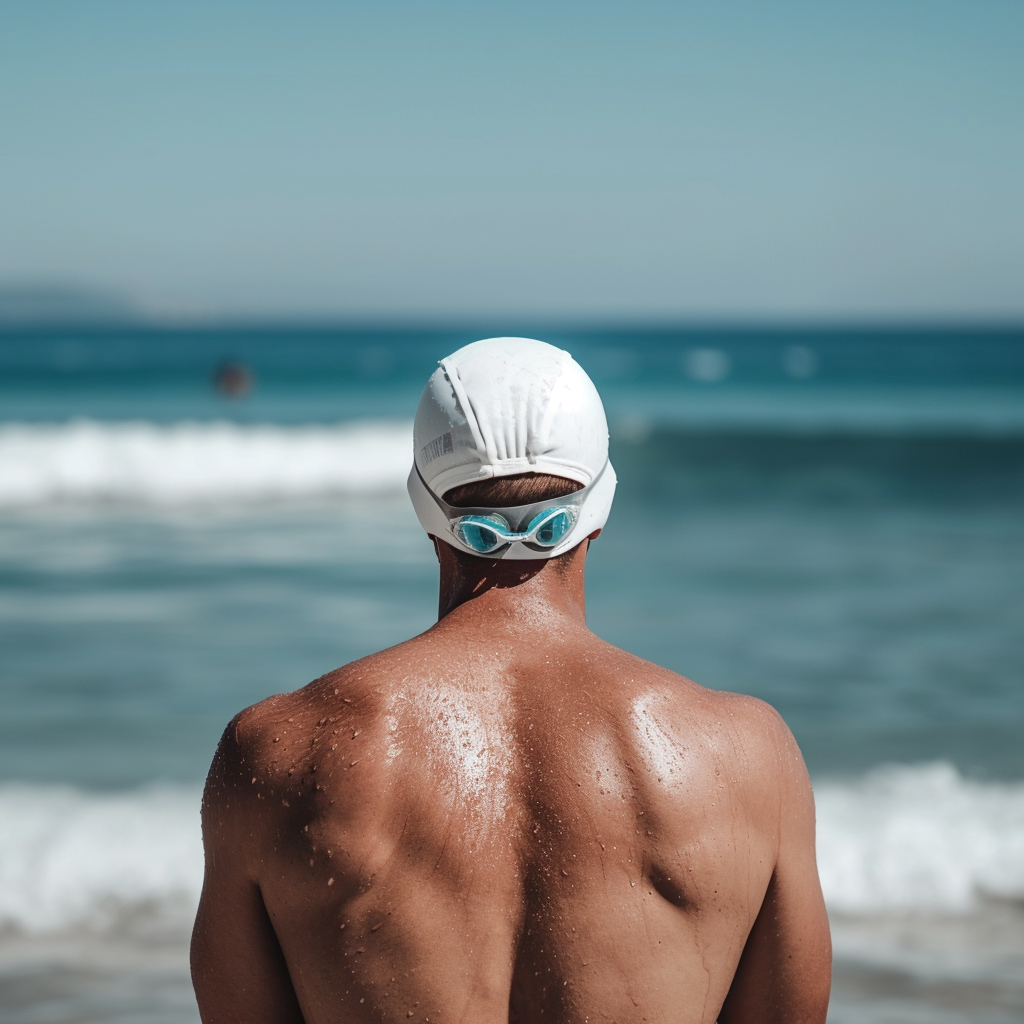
(743, 729)
(239, 770)
(272, 744)
(274, 756)
(764, 750)
(759, 726)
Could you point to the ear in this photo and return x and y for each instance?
(595, 534)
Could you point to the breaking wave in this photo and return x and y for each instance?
(918, 838)
(86, 462)
(70, 859)
(188, 463)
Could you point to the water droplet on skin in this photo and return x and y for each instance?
(633, 884)
(253, 780)
(291, 719)
(277, 739)
(330, 881)
(565, 874)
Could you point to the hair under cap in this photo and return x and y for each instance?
(505, 406)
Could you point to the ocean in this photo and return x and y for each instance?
(831, 520)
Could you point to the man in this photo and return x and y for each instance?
(505, 818)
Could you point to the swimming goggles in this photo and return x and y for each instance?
(487, 533)
(542, 525)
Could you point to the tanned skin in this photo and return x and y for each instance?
(506, 819)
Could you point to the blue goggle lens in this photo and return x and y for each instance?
(479, 535)
(551, 531)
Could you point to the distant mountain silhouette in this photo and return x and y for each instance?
(42, 304)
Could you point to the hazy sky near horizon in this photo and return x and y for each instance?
(649, 160)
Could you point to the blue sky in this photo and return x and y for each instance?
(640, 161)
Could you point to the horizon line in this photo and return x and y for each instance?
(503, 322)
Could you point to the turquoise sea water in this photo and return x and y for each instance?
(833, 521)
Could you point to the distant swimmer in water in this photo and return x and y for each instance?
(506, 819)
(233, 379)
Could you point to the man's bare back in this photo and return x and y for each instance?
(506, 819)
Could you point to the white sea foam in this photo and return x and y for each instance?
(189, 463)
(70, 859)
(918, 838)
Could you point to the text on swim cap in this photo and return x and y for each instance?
(439, 446)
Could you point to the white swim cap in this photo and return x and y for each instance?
(505, 406)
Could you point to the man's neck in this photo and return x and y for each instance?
(543, 591)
